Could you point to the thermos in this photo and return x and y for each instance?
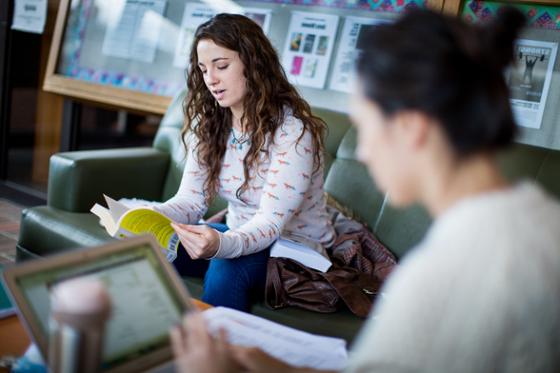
(80, 309)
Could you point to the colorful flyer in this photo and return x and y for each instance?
(135, 34)
(308, 48)
(529, 80)
(196, 14)
(349, 50)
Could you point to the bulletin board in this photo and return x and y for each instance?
(132, 54)
(534, 79)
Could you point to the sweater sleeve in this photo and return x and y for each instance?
(188, 205)
(288, 178)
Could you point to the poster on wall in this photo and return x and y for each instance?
(195, 15)
(308, 48)
(135, 34)
(30, 15)
(349, 49)
(529, 80)
(260, 16)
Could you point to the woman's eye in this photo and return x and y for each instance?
(223, 67)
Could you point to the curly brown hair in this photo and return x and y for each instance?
(268, 95)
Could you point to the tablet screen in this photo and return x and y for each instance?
(145, 305)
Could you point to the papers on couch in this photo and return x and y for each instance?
(290, 345)
(301, 252)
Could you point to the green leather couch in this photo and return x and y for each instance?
(78, 179)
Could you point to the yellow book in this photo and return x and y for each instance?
(121, 221)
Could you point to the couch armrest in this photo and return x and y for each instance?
(78, 179)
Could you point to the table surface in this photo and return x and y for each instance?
(14, 339)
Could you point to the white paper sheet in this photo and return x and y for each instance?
(116, 208)
(30, 15)
(529, 80)
(195, 15)
(308, 48)
(306, 253)
(287, 344)
(136, 33)
(348, 51)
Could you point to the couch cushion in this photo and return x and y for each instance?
(534, 163)
(168, 139)
(521, 161)
(337, 126)
(549, 173)
(46, 231)
(78, 179)
(401, 229)
(349, 184)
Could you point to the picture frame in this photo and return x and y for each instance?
(86, 82)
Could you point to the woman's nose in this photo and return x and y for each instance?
(211, 77)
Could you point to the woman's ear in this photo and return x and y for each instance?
(412, 128)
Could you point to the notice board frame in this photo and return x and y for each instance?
(148, 102)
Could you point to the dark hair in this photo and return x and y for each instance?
(268, 95)
(448, 69)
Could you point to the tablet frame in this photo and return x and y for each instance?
(32, 325)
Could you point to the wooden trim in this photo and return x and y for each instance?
(48, 118)
(57, 38)
(436, 5)
(74, 88)
(116, 97)
(452, 7)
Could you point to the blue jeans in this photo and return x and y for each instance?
(233, 283)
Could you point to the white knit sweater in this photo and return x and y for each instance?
(481, 293)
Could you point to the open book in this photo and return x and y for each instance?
(301, 251)
(290, 345)
(122, 221)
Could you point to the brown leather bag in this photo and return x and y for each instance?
(360, 265)
(290, 283)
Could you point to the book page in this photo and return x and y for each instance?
(116, 208)
(105, 218)
(290, 345)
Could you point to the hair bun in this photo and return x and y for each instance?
(499, 35)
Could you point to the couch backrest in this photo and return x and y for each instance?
(534, 163)
(168, 139)
(348, 182)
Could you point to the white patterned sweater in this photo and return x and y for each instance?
(285, 196)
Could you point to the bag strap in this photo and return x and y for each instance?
(274, 293)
